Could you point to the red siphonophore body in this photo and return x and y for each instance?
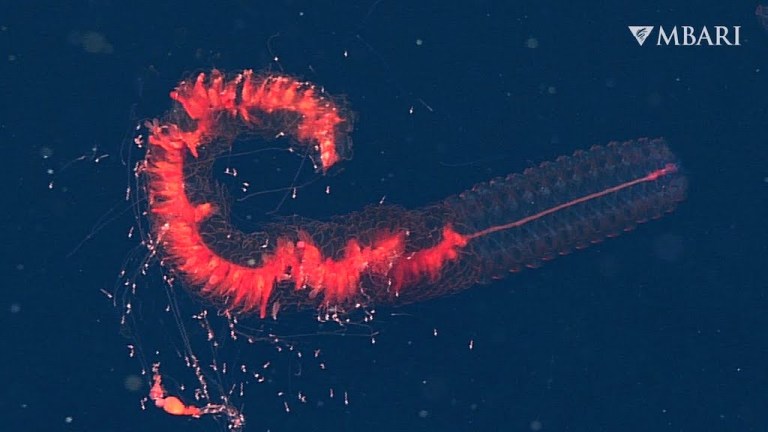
(383, 255)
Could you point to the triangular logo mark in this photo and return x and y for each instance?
(640, 33)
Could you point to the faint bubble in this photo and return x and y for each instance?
(15, 308)
(547, 89)
(434, 389)
(531, 42)
(91, 42)
(46, 152)
(68, 419)
(654, 99)
(133, 383)
(669, 247)
(423, 414)
(609, 266)
(419, 42)
(536, 425)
